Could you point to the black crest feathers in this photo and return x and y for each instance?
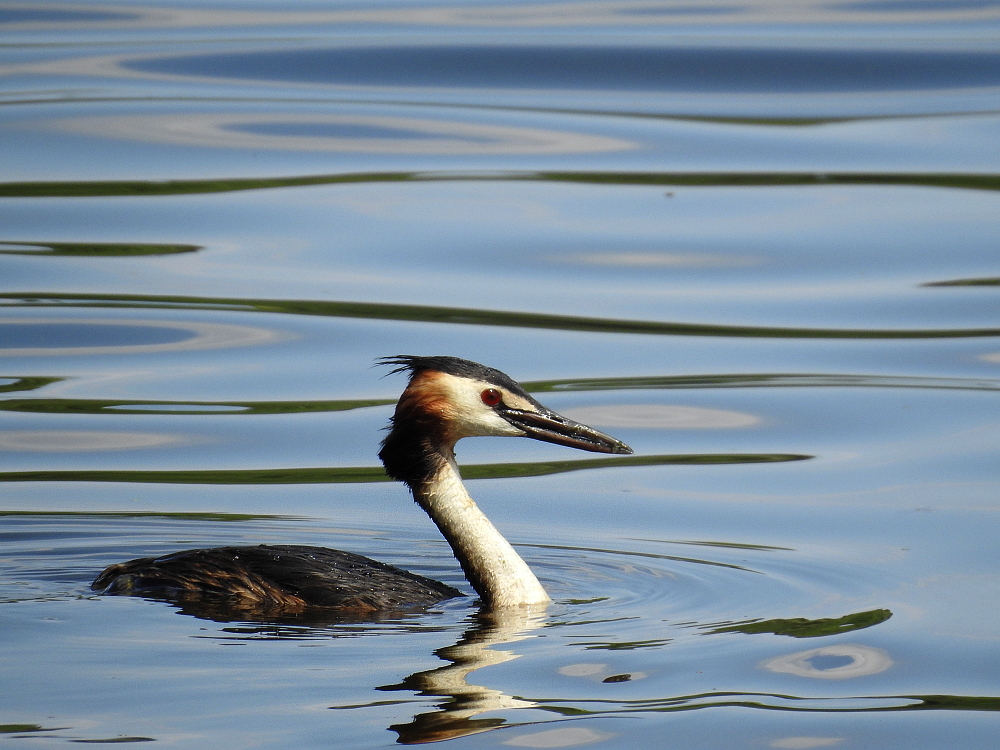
(462, 368)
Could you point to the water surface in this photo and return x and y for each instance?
(756, 241)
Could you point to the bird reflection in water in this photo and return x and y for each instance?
(478, 647)
(455, 716)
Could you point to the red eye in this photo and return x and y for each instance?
(491, 397)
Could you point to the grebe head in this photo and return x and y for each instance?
(450, 398)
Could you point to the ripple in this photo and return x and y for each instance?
(770, 380)
(964, 181)
(55, 555)
(178, 408)
(619, 68)
(662, 417)
(93, 249)
(841, 662)
(355, 474)
(474, 316)
(77, 441)
(369, 134)
(562, 737)
(620, 586)
(632, 584)
(664, 260)
(64, 336)
(619, 14)
(57, 15)
(805, 743)
(582, 669)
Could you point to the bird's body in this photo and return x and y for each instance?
(275, 578)
(446, 399)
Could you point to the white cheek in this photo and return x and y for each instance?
(473, 418)
(484, 424)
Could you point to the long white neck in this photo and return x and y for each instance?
(490, 563)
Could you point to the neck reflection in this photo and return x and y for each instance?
(463, 700)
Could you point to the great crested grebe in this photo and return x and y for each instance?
(445, 400)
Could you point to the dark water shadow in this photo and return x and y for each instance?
(175, 515)
(92, 249)
(83, 189)
(904, 6)
(763, 380)
(63, 334)
(776, 702)
(985, 281)
(800, 627)
(27, 14)
(472, 316)
(664, 382)
(617, 68)
(365, 474)
(28, 383)
(139, 406)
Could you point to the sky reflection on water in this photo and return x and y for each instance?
(757, 240)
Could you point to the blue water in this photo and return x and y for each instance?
(757, 241)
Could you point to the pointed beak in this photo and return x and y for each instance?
(550, 427)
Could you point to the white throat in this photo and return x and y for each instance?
(490, 563)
